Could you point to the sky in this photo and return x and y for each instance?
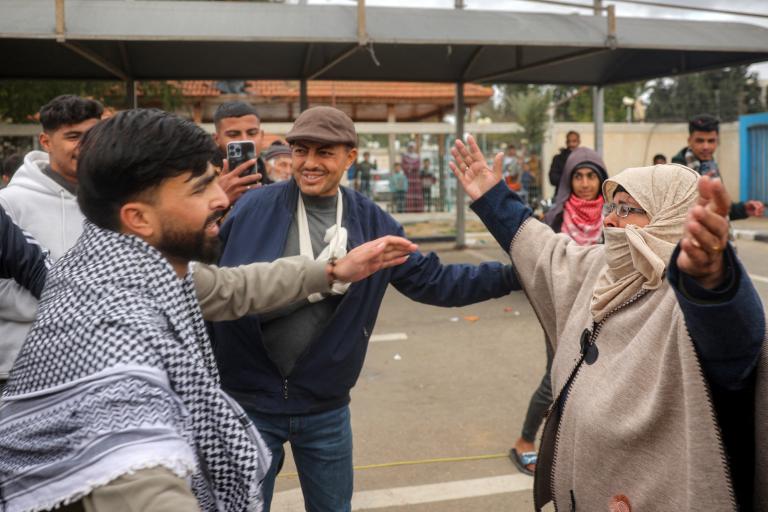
(622, 9)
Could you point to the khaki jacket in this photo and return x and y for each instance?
(227, 293)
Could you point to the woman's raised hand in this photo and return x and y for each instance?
(706, 235)
(472, 171)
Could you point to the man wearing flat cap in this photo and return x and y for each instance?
(292, 370)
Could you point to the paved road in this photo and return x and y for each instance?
(441, 398)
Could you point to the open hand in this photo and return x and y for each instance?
(706, 235)
(471, 170)
(235, 185)
(370, 257)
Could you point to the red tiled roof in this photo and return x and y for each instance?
(343, 90)
(197, 87)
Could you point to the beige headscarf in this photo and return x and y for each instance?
(637, 257)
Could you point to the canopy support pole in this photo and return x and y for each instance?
(461, 240)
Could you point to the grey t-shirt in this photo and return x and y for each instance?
(289, 331)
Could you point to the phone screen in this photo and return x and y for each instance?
(239, 152)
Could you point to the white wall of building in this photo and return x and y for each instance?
(634, 144)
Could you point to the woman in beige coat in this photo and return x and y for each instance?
(658, 335)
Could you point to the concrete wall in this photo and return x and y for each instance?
(634, 144)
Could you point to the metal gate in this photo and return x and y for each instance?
(753, 139)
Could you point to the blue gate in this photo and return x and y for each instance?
(753, 139)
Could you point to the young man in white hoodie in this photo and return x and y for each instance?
(41, 198)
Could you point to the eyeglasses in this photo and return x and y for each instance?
(622, 210)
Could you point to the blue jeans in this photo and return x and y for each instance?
(322, 449)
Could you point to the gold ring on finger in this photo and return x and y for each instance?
(716, 248)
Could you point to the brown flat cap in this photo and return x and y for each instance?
(326, 125)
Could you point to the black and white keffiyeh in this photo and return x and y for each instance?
(118, 375)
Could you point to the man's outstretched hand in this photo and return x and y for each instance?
(235, 185)
(471, 170)
(370, 257)
(755, 208)
(706, 235)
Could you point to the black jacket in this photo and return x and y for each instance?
(21, 257)
(556, 169)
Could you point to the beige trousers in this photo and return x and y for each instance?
(148, 490)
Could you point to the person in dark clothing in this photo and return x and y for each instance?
(292, 370)
(11, 163)
(427, 180)
(572, 141)
(699, 155)
(363, 171)
(21, 257)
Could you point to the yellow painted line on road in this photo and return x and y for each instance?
(415, 462)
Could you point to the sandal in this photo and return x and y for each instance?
(522, 460)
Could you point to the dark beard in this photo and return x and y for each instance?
(190, 245)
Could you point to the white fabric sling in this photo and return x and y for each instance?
(335, 237)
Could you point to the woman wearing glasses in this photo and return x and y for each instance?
(656, 337)
(578, 213)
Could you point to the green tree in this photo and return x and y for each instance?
(529, 110)
(726, 93)
(20, 100)
(575, 103)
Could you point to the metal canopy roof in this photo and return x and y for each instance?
(118, 39)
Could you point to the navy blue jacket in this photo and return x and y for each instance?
(257, 230)
(21, 257)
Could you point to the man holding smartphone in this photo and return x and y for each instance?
(292, 369)
(699, 155)
(238, 121)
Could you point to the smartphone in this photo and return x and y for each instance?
(241, 151)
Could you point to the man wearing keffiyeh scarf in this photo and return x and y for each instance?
(119, 354)
(116, 381)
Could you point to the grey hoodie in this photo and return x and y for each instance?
(50, 213)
